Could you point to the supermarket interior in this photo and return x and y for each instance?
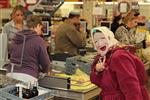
(74, 50)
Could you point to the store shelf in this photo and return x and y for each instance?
(48, 7)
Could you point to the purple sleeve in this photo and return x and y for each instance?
(44, 58)
(95, 78)
(123, 65)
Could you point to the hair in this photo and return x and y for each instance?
(33, 21)
(64, 18)
(18, 7)
(73, 15)
(117, 18)
(129, 17)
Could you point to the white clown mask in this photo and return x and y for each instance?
(103, 39)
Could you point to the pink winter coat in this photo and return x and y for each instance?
(124, 76)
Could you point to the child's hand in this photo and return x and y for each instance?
(100, 67)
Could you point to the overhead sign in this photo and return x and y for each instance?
(98, 11)
(124, 7)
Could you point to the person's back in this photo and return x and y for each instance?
(63, 42)
(68, 38)
(28, 52)
(33, 53)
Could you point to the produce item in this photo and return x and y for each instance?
(79, 80)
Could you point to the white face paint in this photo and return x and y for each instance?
(101, 43)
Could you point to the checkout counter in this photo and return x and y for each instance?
(72, 82)
(68, 83)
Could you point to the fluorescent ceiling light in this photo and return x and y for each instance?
(144, 3)
(73, 2)
(147, 0)
(110, 3)
(31, 1)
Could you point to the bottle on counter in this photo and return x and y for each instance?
(35, 91)
(20, 92)
(17, 91)
(27, 93)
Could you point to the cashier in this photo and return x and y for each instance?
(70, 37)
(28, 53)
(15, 25)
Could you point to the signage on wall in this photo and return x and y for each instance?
(135, 6)
(98, 11)
(124, 7)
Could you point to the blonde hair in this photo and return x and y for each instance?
(129, 17)
(16, 8)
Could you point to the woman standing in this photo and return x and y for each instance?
(16, 23)
(125, 32)
(116, 70)
(10, 29)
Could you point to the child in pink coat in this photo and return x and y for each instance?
(116, 70)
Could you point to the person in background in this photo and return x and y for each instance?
(141, 32)
(28, 52)
(115, 24)
(116, 70)
(16, 23)
(124, 34)
(68, 37)
(10, 29)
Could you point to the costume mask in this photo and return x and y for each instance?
(101, 43)
(103, 39)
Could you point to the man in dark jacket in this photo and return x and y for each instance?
(28, 52)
